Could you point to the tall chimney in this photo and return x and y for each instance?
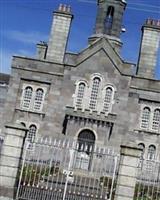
(149, 48)
(59, 34)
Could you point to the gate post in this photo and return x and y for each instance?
(127, 172)
(10, 157)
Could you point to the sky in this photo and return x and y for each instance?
(23, 23)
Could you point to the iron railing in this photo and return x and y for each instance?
(65, 169)
(148, 180)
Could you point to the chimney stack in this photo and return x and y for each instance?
(59, 34)
(149, 48)
(41, 50)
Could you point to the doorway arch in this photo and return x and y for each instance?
(86, 141)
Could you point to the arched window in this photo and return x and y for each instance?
(145, 118)
(156, 120)
(94, 93)
(80, 95)
(86, 141)
(27, 97)
(108, 99)
(38, 99)
(31, 133)
(141, 146)
(109, 19)
(151, 152)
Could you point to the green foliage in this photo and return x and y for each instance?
(106, 182)
(32, 174)
(146, 192)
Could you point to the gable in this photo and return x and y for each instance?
(99, 45)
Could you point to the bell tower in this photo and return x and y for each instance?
(109, 20)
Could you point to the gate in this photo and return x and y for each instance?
(148, 180)
(67, 170)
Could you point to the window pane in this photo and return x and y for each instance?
(151, 152)
(145, 118)
(38, 99)
(31, 133)
(80, 95)
(108, 99)
(27, 97)
(94, 93)
(156, 120)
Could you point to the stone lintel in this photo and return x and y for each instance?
(130, 150)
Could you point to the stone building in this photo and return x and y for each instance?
(92, 96)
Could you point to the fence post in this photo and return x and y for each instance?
(127, 172)
(10, 159)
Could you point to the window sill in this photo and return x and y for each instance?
(146, 131)
(31, 111)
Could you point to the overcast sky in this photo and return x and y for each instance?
(23, 23)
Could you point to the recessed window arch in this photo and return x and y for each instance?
(27, 97)
(151, 152)
(80, 92)
(145, 119)
(86, 141)
(109, 19)
(31, 133)
(156, 120)
(96, 81)
(141, 146)
(108, 98)
(86, 138)
(38, 101)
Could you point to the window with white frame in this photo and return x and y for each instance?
(27, 97)
(145, 119)
(39, 94)
(94, 93)
(141, 146)
(151, 152)
(32, 98)
(156, 120)
(80, 94)
(108, 99)
(87, 95)
(31, 133)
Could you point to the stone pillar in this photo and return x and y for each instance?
(59, 34)
(127, 172)
(10, 159)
